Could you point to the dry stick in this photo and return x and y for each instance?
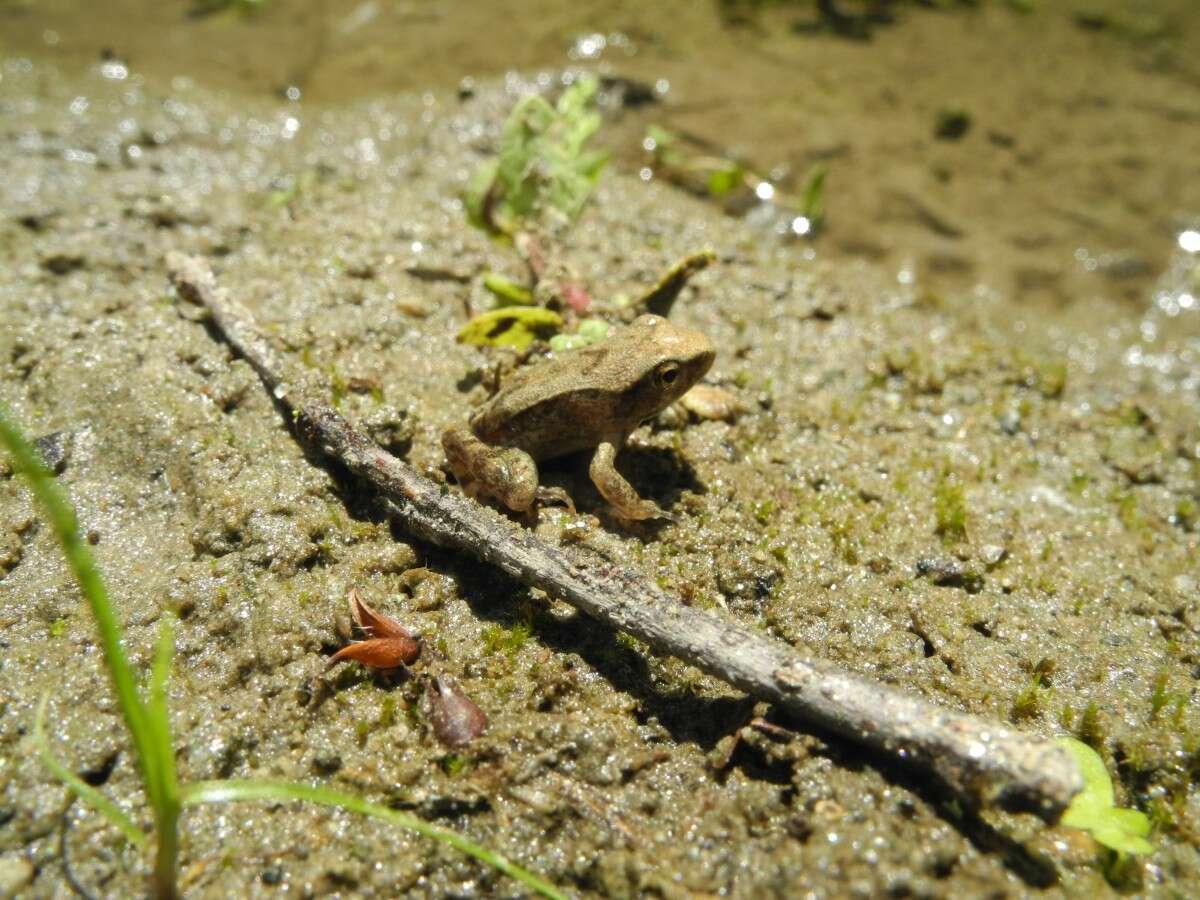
(981, 761)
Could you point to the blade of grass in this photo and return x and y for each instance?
(166, 820)
(147, 726)
(253, 789)
(66, 527)
(157, 717)
(78, 786)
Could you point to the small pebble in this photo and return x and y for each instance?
(16, 873)
(993, 554)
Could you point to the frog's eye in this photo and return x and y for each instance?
(666, 374)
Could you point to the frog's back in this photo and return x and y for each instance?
(599, 393)
(553, 408)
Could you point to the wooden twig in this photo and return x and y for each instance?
(981, 761)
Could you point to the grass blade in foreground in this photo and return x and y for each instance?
(83, 567)
(149, 724)
(230, 791)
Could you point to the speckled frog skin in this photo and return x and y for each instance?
(587, 399)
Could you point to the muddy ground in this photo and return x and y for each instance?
(980, 497)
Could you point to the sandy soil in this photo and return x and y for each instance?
(956, 492)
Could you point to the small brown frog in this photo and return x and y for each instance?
(580, 400)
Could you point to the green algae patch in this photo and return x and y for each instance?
(950, 512)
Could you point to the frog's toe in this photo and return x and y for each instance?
(555, 496)
(641, 511)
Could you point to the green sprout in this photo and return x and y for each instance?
(814, 188)
(147, 718)
(1093, 810)
(544, 164)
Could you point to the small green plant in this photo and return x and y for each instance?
(811, 206)
(146, 716)
(1093, 810)
(543, 166)
(1091, 730)
(1028, 702)
(950, 511)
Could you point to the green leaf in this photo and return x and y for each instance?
(589, 331)
(513, 326)
(814, 188)
(506, 291)
(1092, 810)
(725, 179)
(1097, 786)
(475, 195)
(61, 516)
(1116, 837)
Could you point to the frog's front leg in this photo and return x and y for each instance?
(507, 474)
(613, 487)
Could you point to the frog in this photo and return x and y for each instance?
(588, 399)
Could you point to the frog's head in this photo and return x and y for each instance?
(673, 360)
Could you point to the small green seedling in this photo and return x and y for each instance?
(811, 206)
(543, 166)
(1093, 809)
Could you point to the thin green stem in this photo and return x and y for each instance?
(158, 718)
(252, 789)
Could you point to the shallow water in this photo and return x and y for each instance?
(1012, 313)
(1075, 173)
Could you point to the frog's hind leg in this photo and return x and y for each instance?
(613, 487)
(506, 474)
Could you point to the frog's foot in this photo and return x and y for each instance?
(625, 501)
(555, 496)
(505, 474)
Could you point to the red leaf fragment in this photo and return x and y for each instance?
(375, 624)
(388, 646)
(379, 653)
(455, 718)
(575, 295)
